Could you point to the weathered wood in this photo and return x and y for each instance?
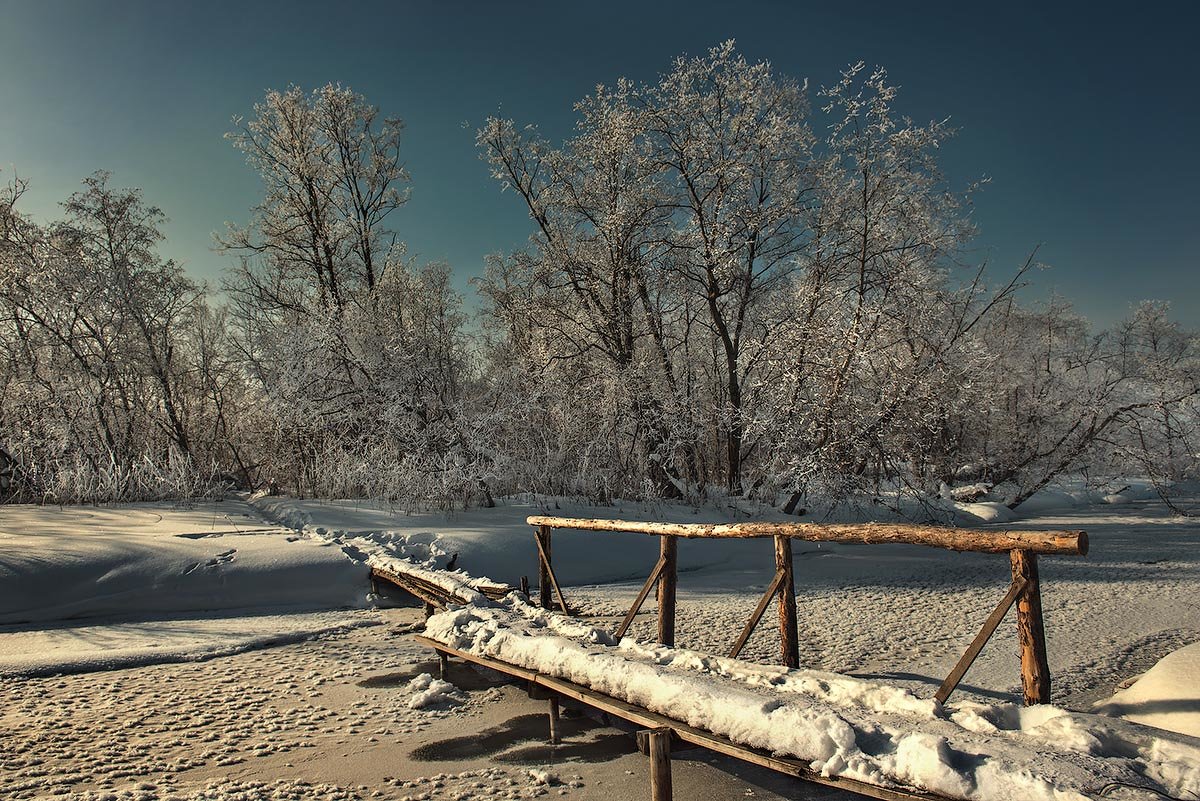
(1035, 669)
(668, 580)
(789, 638)
(525, 586)
(555, 737)
(541, 536)
(543, 545)
(642, 737)
(752, 623)
(639, 716)
(433, 593)
(985, 634)
(429, 610)
(660, 764)
(1072, 542)
(641, 599)
(443, 666)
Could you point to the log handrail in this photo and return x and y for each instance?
(1062, 543)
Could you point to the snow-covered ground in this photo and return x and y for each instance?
(151, 560)
(84, 589)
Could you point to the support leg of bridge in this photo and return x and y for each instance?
(555, 736)
(443, 666)
(658, 746)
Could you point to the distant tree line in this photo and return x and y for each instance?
(725, 292)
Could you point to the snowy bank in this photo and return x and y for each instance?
(62, 649)
(152, 560)
(1166, 696)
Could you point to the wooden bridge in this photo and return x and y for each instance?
(1024, 591)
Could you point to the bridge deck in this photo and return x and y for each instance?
(639, 716)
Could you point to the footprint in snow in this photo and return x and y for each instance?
(221, 558)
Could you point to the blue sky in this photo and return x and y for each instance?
(1084, 119)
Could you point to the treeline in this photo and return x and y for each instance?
(725, 291)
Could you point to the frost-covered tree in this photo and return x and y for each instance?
(100, 374)
(590, 281)
(663, 226)
(356, 350)
(734, 143)
(1068, 400)
(332, 176)
(875, 363)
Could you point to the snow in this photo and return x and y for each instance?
(105, 588)
(59, 563)
(841, 725)
(1166, 696)
(428, 691)
(65, 648)
(497, 544)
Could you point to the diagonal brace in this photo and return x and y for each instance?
(641, 598)
(758, 613)
(985, 634)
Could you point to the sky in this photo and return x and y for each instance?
(1084, 119)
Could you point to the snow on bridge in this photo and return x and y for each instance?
(869, 737)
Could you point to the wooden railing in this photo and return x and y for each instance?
(1023, 548)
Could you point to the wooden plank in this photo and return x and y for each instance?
(752, 623)
(789, 638)
(646, 719)
(1031, 633)
(660, 764)
(543, 544)
(422, 590)
(985, 634)
(669, 555)
(641, 599)
(1070, 542)
(485, 661)
(433, 593)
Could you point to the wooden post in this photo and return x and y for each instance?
(525, 586)
(429, 610)
(789, 638)
(443, 666)
(555, 737)
(543, 535)
(660, 764)
(668, 548)
(1035, 670)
